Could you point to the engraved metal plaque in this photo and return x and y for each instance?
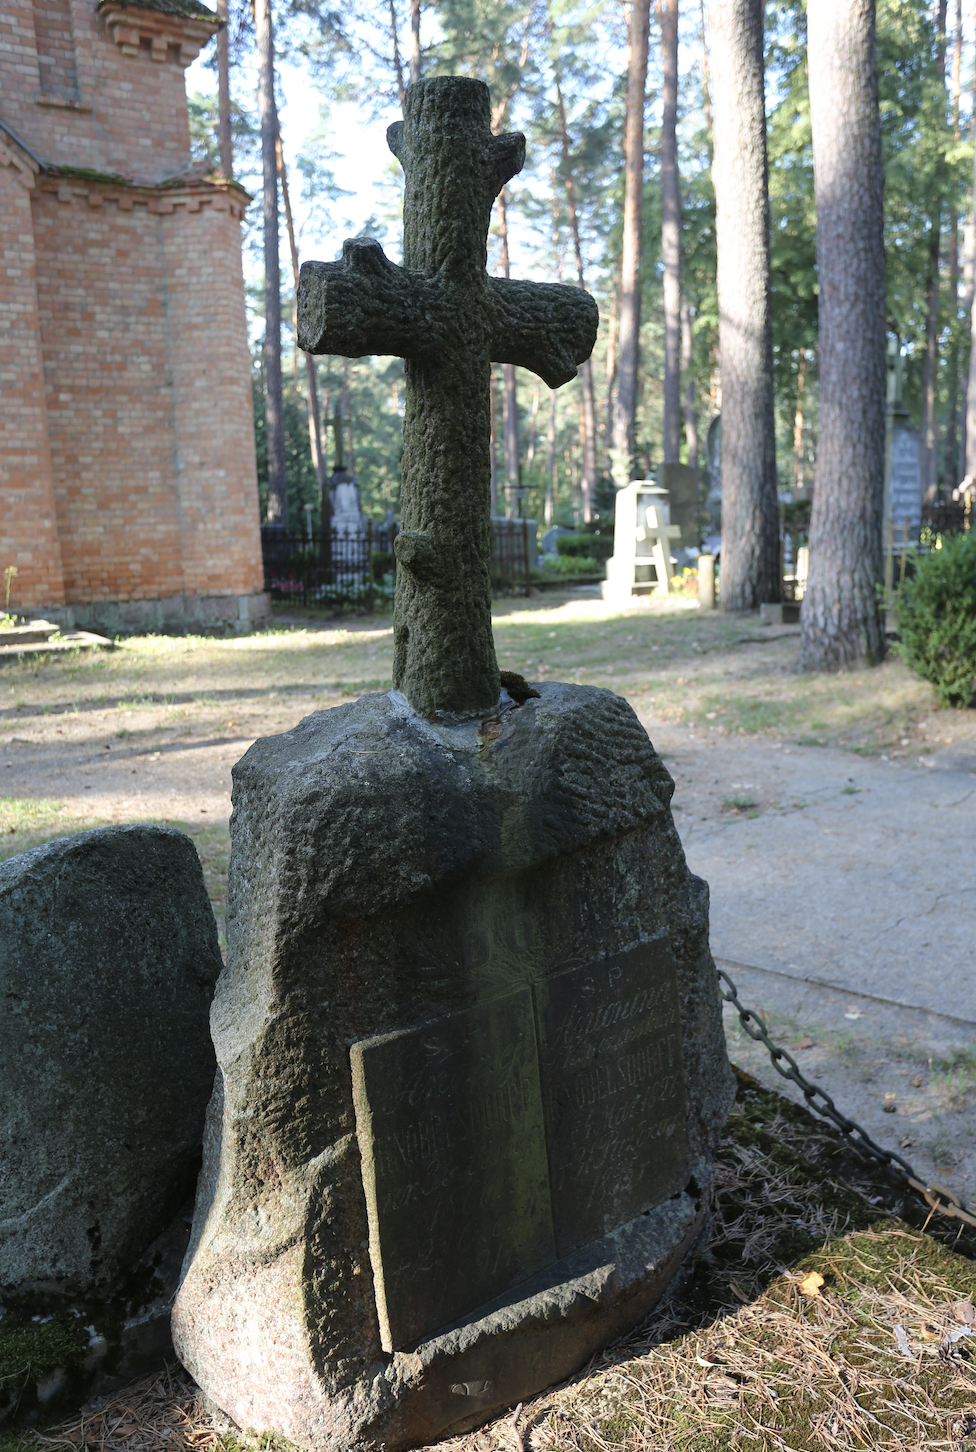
(613, 1091)
(449, 1120)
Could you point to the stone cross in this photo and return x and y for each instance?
(450, 321)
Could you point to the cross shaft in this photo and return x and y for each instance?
(449, 321)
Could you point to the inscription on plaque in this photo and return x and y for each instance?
(449, 1119)
(506, 1136)
(613, 1091)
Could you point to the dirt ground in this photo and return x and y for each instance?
(150, 731)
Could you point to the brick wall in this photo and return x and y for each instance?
(28, 529)
(127, 468)
(212, 395)
(124, 112)
(141, 306)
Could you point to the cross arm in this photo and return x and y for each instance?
(367, 304)
(544, 326)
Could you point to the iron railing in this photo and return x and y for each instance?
(307, 567)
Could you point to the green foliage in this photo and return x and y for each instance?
(585, 546)
(936, 613)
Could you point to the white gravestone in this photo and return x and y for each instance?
(347, 514)
(642, 536)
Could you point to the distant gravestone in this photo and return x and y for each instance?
(903, 501)
(471, 1061)
(108, 958)
(643, 538)
(681, 482)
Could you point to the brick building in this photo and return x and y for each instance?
(128, 490)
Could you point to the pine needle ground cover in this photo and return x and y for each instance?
(822, 1313)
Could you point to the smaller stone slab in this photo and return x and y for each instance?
(108, 959)
(449, 1119)
(613, 1090)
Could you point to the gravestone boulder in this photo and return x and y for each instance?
(471, 1067)
(108, 959)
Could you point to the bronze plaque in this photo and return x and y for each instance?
(613, 1090)
(449, 1120)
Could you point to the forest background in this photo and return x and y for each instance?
(558, 72)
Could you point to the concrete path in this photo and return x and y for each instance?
(843, 904)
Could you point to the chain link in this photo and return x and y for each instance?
(940, 1200)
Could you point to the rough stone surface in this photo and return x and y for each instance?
(449, 321)
(108, 958)
(391, 875)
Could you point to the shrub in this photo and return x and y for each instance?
(585, 546)
(936, 613)
(569, 565)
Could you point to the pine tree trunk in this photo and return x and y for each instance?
(273, 404)
(671, 234)
(416, 68)
(225, 133)
(550, 460)
(509, 394)
(950, 478)
(840, 617)
(690, 411)
(588, 473)
(311, 377)
(930, 360)
(801, 378)
(628, 338)
(750, 506)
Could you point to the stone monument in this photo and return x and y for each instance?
(471, 1060)
(345, 501)
(681, 483)
(903, 469)
(643, 537)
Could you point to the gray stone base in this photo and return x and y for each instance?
(541, 1333)
(472, 1068)
(176, 615)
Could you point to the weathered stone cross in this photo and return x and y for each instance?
(449, 320)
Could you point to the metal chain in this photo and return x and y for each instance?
(937, 1197)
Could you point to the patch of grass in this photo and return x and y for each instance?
(28, 819)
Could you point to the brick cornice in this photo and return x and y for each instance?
(165, 29)
(193, 194)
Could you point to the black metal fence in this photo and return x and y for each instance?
(949, 516)
(303, 567)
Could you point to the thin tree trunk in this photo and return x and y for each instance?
(930, 360)
(801, 378)
(628, 348)
(273, 404)
(493, 445)
(397, 63)
(671, 234)
(550, 460)
(706, 98)
(509, 395)
(588, 473)
(840, 618)
(533, 415)
(750, 506)
(225, 134)
(970, 398)
(311, 375)
(690, 411)
(416, 65)
(611, 378)
(347, 416)
(967, 442)
(952, 411)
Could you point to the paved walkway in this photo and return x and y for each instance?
(843, 902)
